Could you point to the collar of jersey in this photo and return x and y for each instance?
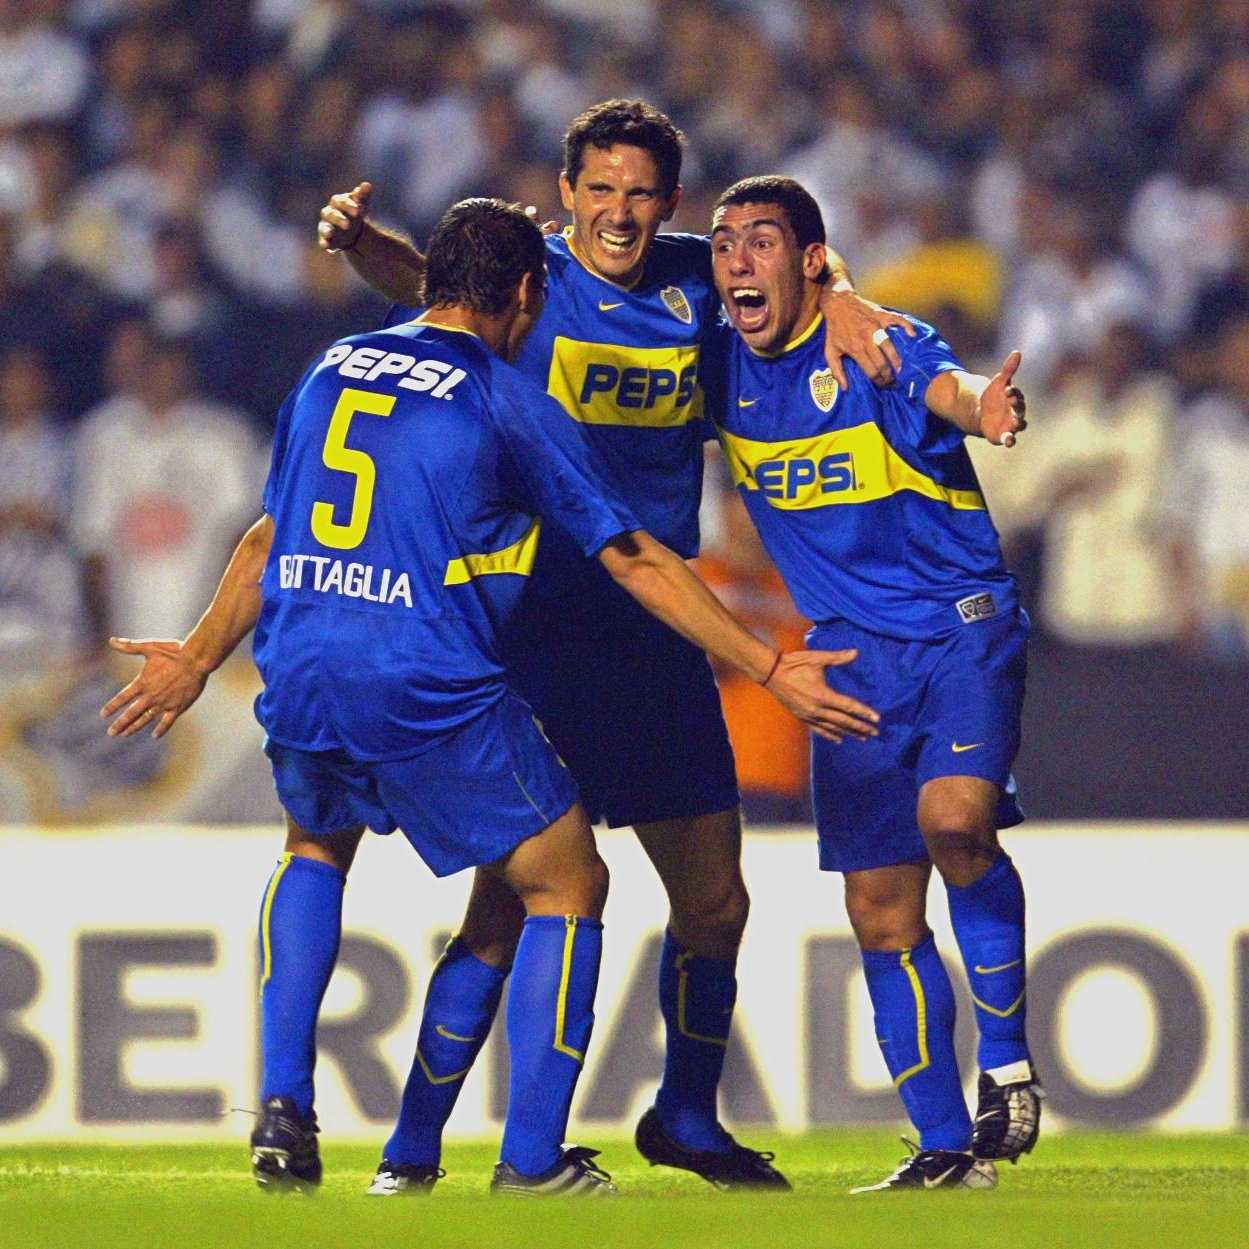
(572, 251)
(450, 329)
(793, 344)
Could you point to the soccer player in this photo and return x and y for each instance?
(632, 707)
(409, 470)
(867, 502)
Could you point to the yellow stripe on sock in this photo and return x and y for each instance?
(561, 1003)
(683, 978)
(266, 911)
(1001, 1014)
(921, 1021)
(433, 1079)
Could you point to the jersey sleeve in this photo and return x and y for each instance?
(923, 358)
(553, 469)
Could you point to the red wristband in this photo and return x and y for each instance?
(776, 663)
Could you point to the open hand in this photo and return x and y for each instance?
(166, 686)
(800, 683)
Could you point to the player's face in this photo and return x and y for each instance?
(617, 207)
(766, 281)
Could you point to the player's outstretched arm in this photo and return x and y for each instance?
(856, 327)
(174, 673)
(664, 584)
(992, 408)
(387, 261)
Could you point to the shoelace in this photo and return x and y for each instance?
(581, 1156)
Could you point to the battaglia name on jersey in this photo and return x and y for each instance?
(351, 580)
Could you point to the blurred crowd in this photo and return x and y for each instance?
(1070, 177)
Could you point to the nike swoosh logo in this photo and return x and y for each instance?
(602, 307)
(747, 403)
(940, 1179)
(988, 971)
(467, 1040)
(958, 750)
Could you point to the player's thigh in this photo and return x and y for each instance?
(328, 800)
(863, 792)
(476, 795)
(636, 715)
(973, 702)
(338, 849)
(887, 905)
(558, 871)
(698, 859)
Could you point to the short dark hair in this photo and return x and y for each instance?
(633, 122)
(478, 254)
(800, 207)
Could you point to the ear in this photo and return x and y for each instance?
(673, 201)
(814, 262)
(529, 293)
(565, 192)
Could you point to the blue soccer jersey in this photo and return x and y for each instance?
(409, 469)
(867, 502)
(624, 365)
(632, 706)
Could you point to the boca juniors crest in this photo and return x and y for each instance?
(676, 303)
(823, 389)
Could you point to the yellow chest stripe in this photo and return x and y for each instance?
(844, 466)
(603, 384)
(517, 558)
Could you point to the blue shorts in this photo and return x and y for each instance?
(631, 706)
(466, 800)
(949, 707)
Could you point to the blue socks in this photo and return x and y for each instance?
(914, 1010)
(696, 997)
(301, 921)
(549, 1018)
(988, 923)
(460, 1005)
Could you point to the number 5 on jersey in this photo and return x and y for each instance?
(337, 455)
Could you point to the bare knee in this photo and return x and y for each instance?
(886, 906)
(711, 922)
(957, 817)
(337, 849)
(962, 856)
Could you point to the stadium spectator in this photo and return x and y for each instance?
(41, 612)
(856, 162)
(1070, 283)
(45, 70)
(1093, 485)
(166, 481)
(1185, 223)
(1207, 519)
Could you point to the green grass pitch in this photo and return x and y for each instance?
(1103, 1191)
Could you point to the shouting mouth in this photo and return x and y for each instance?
(749, 307)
